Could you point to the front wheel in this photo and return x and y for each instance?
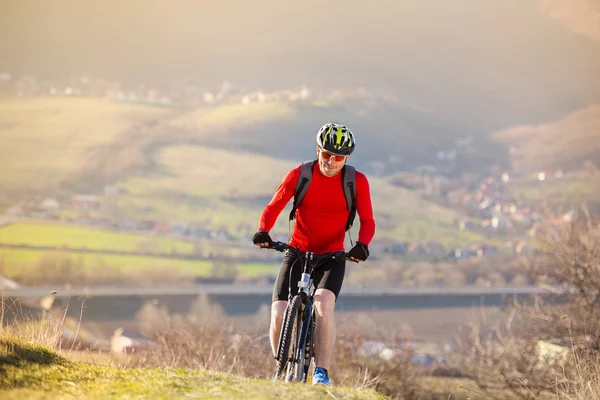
(287, 336)
(305, 349)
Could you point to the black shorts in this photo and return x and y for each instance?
(328, 275)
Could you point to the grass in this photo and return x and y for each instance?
(230, 115)
(176, 181)
(32, 371)
(570, 191)
(55, 234)
(24, 264)
(27, 264)
(567, 142)
(189, 186)
(45, 139)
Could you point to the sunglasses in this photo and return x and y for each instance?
(336, 157)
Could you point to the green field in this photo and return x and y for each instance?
(196, 182)
(55, 234)
(189, 167)
(14, 262)
(573, 190)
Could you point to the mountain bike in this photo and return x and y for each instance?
(296, 350)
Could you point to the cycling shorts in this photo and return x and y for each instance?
(328, 275)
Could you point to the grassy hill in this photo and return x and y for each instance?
(32, 371)
(46, 140)
(216, 165)
(229, 188)
(564, 143)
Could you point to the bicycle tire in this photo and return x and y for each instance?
(287, 332)
(293, 370)
(309, 368)
(304, 345)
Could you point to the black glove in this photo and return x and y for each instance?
(262, 237)
(360, 251)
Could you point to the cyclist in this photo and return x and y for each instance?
(320, 226)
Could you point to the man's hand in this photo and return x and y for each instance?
(262, 239)
(360, 252)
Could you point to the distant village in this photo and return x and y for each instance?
(490, 208)
(179, 94)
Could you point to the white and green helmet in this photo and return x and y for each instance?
(336, 138)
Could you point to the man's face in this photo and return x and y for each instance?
(330, 163)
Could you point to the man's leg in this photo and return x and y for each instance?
(325, 331)
(279, 299)
(277, 312)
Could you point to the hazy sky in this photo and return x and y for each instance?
(429, 51)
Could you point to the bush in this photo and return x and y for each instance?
(551, 345)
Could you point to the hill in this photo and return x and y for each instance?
(32, 371)
(47, 140)
(229, 188)
(565, 143)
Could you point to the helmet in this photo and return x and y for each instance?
(336, 139)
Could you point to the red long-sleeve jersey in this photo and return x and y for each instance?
(321, 217)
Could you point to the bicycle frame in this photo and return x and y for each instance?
(306, 291)
(298, 363)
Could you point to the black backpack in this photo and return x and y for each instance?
(348, 179)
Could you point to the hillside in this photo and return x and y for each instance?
(32, 371)
(45, 141)
(229, 188)
(564, 143)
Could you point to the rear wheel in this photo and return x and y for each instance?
(287, 334)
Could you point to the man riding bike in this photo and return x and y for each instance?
(321, 221)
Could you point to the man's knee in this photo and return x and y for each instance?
(324, 303)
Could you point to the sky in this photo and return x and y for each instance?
(503, 56)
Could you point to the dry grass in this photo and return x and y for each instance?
(550, 348)
(44, 139)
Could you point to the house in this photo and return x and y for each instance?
(416, 249)
(83, 202)
(162, 228)
(462, 253)
(467, 225)
(49, 205)
(487, 251)
(16, 211)
(179, 228)
(435, 250)
(398, 248)
(146, 225)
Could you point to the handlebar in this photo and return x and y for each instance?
(281, 247)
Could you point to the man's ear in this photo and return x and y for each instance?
(317, 151)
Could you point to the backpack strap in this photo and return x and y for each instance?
(302, 185)
(348, 179)
(348, 183)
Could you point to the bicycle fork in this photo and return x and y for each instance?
(304, 351)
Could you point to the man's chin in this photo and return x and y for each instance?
(328, 172)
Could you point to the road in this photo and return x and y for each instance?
(122, 303)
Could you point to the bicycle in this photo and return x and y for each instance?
(295, 350)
